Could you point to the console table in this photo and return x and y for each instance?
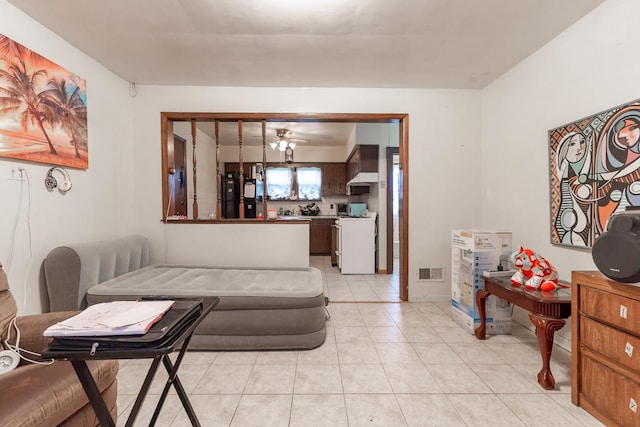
(547, 311)
(172, 340)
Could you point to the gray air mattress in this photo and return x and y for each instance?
(259, 309)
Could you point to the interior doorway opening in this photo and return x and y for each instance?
(211, 120)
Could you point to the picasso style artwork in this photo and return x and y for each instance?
(594, 166)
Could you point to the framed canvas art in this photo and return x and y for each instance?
(43, 109)
(594, 167)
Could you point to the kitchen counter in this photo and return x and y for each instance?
(292, 218)
(306, 217)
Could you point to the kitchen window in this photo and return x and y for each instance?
(309, 183)
(302, 183)
(279, 183)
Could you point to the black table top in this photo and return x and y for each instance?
(130, 347)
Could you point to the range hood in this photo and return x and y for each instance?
(364, 179)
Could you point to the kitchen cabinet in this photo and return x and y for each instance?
(334, 175)
(605, 348)
(334, 178)
(320, 236)
(235, 167)
(363, 158)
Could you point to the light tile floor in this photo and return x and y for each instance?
(383, 364)
(357, 288)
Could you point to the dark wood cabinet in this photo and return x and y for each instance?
(320, 236)
(363, 158)
(334, 179)
(235, 167)
(334, 175)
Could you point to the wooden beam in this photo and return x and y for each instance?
(264, 169)
(218, 175)
(195, 170)
(241, 205)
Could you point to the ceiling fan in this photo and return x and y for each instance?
(283, 140)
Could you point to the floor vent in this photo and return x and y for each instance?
(434, 274)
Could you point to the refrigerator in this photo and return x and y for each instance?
(356, 253)
(231, 195)
(249, 198)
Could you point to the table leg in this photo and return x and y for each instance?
(143, 391)
(545, 329)
(172, 371)
(93, 393)
(481, 299)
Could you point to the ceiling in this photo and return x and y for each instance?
(464, 44)
(305, 134)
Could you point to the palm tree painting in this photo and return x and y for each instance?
(43, 109)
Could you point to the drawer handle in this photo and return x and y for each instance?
(633, 405)
(623, 311)
(628, 349)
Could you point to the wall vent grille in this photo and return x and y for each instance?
(432, 274)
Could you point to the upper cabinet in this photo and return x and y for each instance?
(363, 158)
(331, 178)
(334, 178)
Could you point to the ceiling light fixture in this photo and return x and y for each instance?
(282, 142)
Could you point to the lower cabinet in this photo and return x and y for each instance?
(605, 354)
(320, 236)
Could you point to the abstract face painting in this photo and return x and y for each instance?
(594, 167)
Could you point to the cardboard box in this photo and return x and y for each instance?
(498, 316)
(472, 252)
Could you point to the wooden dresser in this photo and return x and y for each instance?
(605, 348)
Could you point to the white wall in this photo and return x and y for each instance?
(100, 203)
(591, 67)
(383, 135)
(285, 245)
(444, 128)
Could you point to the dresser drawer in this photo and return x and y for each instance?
(612, 343)
(614, 396)
(610, 308)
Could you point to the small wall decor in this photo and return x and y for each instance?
(51, 182)
(43, 109)
(594, 167)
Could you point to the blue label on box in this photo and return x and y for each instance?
(468, 312)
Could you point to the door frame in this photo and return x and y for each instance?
(390, 152)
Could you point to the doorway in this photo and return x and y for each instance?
(167, 123)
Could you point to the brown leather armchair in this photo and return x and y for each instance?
(47, 395)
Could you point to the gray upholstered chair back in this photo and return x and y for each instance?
(71, 270)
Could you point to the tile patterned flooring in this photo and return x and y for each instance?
(383, 364)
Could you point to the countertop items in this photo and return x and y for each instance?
(304, 217)
(309, 210)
